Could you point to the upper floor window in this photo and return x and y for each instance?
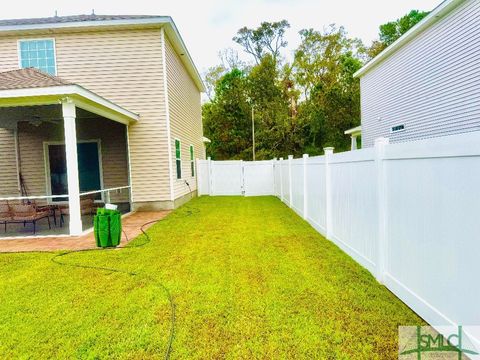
(39, 54)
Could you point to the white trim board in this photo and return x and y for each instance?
(83, 98)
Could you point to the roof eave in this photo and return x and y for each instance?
(435, 15)
(82, 97)
(167, 21)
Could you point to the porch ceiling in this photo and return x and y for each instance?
(29, 87)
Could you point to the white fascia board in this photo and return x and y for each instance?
(436, 14)
(166, 21)
(84, 98)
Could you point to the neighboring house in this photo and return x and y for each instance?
(124, 88)
(427, 83)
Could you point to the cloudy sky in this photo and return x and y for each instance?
(208, 26)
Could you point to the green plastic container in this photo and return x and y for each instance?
(107, 225)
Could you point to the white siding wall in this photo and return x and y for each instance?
(432, 84)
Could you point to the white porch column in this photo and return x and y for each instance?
(353, 142)
(75, 218)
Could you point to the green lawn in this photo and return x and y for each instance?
(249, 279)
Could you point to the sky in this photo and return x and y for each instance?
(207, 26)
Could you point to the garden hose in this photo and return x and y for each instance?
(57, 256)
(55, 260)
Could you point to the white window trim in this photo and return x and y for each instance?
(180, 158)
(19, 53)
(192, 161)
(397, 131)
(46, 160)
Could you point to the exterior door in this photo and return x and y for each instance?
(88, 168)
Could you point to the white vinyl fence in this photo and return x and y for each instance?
(236, 177)
(408, 212)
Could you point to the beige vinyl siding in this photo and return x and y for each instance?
(185, 119)
(431, 84)
(8, 165)
(113, 152)
(124, 66)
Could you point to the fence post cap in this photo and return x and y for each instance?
(328, 150)
(281, 158)
(305, 156)
(290, 157)
(209, 158)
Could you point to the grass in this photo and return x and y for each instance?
(249, 279)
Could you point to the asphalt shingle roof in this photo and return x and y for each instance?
(73, 18)
(29, 78)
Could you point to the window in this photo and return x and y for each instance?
(192, 161)
(39, 54)
(397, 128)
(178, 158)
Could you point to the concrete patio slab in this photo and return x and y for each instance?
(131, 227)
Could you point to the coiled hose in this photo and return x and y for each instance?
(56, 260)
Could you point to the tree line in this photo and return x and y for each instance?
(298, 107)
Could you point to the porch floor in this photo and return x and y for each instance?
(131, 225)
(19, 230)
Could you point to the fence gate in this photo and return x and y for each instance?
(236, 177)
(226, 177)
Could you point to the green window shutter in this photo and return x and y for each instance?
(177, 149)
(192, 161)
(178, 158)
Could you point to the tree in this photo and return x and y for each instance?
(211, 77)
(318, 56)
(268, 38)
(226, 118)
(392, 30)
(274, 130)
(324, 66)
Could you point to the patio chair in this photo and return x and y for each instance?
(29, 214)
(5, 214)
(87, 207)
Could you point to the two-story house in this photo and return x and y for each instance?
(427, 83)
(102, 106)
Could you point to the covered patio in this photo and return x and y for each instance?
(63, 153)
